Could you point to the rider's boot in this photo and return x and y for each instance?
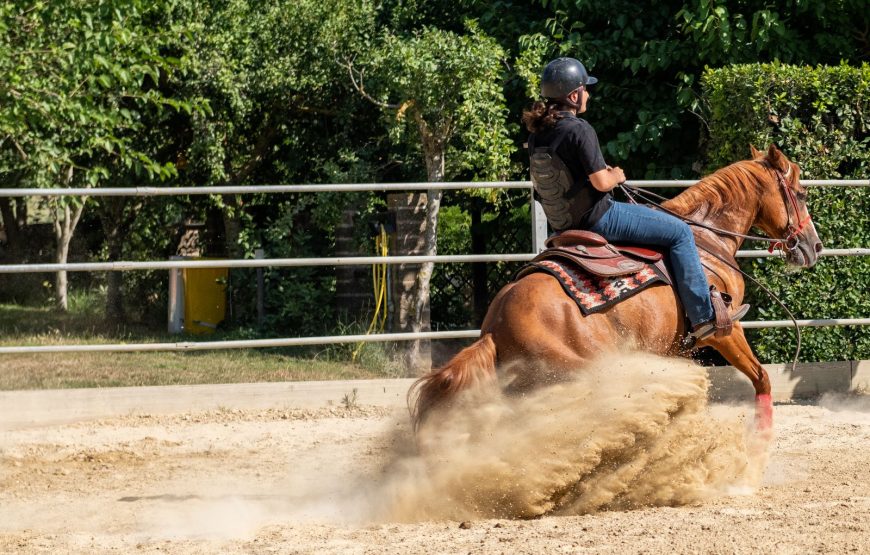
(722, 322)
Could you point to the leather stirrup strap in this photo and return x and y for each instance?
(720, 309)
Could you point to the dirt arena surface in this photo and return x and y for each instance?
(307, 481)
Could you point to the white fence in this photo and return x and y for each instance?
(538, 234)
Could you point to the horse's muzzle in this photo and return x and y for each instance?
(806, 252)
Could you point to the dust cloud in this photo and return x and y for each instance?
(631, 431)
(852, 402)
(853, 407)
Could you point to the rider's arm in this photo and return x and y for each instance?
(606, 179)
(603, 177)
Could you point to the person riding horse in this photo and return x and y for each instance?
(536, 333)
(574, 185)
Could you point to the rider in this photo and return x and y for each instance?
(583, 199)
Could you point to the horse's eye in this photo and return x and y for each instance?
(801, 195)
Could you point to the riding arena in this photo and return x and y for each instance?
(552, 432)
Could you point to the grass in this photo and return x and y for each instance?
(66, 370)
(21, 325)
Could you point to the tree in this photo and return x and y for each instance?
(649, 57)
(264, 68)
(78, 77)
(442, 92)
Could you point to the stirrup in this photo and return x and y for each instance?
(705, 330)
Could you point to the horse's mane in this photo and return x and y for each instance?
(736, 185)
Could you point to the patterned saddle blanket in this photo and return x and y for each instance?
(596, 274)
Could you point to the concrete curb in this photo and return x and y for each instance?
(58, 406)
(808, 380)
(46, 407)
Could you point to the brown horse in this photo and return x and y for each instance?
(534, 334)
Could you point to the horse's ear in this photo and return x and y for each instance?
(755, 152)
(776, 158)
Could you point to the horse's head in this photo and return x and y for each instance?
(783, 212)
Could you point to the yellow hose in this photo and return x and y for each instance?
(379, 283)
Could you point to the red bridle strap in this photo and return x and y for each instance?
(790, 198)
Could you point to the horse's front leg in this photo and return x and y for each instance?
(737, 351)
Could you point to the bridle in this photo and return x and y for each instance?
(791, 241)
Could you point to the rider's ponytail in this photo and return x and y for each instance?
(542, 115)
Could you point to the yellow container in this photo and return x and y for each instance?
(205, 299)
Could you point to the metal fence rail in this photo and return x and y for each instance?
(331, 339)
(349, 187)
(326, 340)
(345, 261)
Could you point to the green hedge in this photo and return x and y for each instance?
(820, 117)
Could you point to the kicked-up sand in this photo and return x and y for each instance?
(629, 458)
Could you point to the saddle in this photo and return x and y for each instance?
(594, 254)
(597, 274)
(594, 273)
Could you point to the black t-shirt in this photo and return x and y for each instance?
(580, 151)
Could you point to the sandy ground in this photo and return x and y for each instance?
(305, 481)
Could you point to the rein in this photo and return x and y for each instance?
(790, 242)
(641, 193)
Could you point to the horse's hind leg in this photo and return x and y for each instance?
(544, 352)
(540, 334)
(548, 363)
(737, 351)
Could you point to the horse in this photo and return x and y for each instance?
(533, 334)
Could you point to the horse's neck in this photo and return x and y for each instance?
(717, 202)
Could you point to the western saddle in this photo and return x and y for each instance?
(594, 254)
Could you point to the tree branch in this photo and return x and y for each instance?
(20, 150)
(56, 219)
(78, 213)
(361, 90)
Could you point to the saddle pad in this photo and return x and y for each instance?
(593, 293)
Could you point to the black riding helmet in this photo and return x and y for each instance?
(563, 76)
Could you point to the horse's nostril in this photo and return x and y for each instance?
(818, 247)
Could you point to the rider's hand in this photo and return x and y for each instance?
(606, 179)
(618, 174)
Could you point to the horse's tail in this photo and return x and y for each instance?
(473, 365)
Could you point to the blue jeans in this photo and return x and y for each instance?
(631, 223)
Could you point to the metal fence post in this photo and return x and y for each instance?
(539, 225)
(261, 287)
(175, 323)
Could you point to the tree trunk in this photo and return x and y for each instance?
(232, 226)
(115, 227)
(14, 214)
(351, 299)
(232, 231)
(21, 212)
(13, 230)
(17, 250)
(419, 353)
(65, 221)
